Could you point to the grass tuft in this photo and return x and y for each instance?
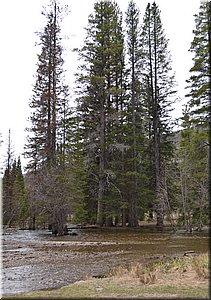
(164, 269)
(137, 271)
(200, 266)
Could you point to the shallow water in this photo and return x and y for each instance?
(37, 259)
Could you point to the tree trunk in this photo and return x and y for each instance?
(109, 221)
(116, 220)
(60, 229)
(159, 205)
(32, 224)
(133, 222)
(101, 186)
(123, 217)
(54, 103)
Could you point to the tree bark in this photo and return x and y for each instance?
(123, 217)
(101, 185)
(54, 103)
(159, 204)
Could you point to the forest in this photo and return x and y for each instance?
(114, 158)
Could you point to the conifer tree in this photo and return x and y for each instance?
(199, 81)
(158, 89)
(20, 196)
(15, 204)
(47, 140)
(192, 159)
(195, 137)
(100, 103)
(49, 103)
(134, 114)
(9, 207)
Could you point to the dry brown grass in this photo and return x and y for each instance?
(188, 269)
(201, 266)
(137, 272)
(136, 275)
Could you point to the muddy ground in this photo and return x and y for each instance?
(33, 265)
(35, 260)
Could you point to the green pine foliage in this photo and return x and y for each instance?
(20, 195)
(49, 145)
(158, 94)
(100, 105)
(49, 103)
(114, 158)
(134, 117)
(9, 204)
(194, 147)
(193, 169)
(9, 208)
(199, 81)
(15, 204)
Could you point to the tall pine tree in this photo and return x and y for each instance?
(195, 142)
(49, 103)
(20, 196)
(200, 78)
(48, 134)
(192, 159)
(158, 88)
(136, 169)
(101, 101)
(9, 205)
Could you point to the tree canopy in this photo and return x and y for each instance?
(114, 158)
